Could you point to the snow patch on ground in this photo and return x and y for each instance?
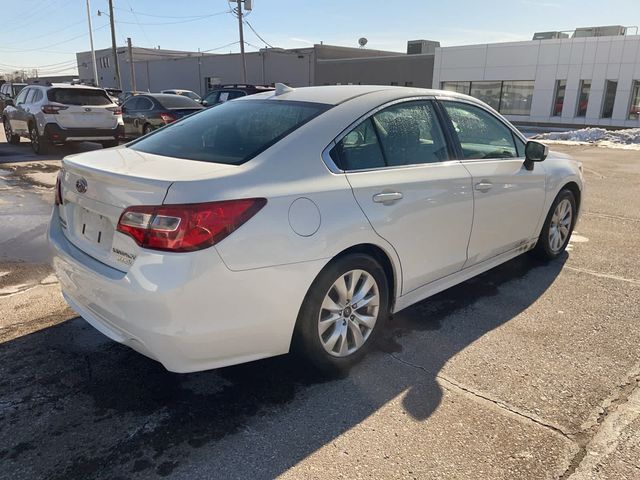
(628, 139)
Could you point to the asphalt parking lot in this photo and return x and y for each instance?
(530, 371)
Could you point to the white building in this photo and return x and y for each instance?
(577, 81)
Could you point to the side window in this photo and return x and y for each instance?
(520, 145)
(22, 95)
(481, 134)
(30, 95)
(132, 103)
(359, 149)
(236, 94)
(224, 96)
(410, 134)
(144, 104)
(37, 96)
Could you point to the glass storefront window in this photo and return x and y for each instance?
(583, 98)
(609, 98)
(516, 97)
(488, 92)
(634, 108)
(558, 102)
(459, 87)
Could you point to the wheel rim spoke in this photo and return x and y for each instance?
(358, 339)
(330, 321)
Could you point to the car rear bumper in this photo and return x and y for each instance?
(57, 134)
(188, 311)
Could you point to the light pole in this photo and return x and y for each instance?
(244, 62)
(93, 52)
(114, 53)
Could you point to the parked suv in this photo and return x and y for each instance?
(224, 93)
(60, 113)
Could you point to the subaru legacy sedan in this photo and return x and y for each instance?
(300, 219)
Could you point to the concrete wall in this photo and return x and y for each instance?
(574, 59)
(415, 70)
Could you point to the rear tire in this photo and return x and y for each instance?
(12, 138)
(147, 129)
(557, 227)
(344, 310)
(39, 144)
(110, 143)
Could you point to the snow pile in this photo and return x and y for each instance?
(628, 139)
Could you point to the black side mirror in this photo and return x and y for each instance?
(534, 152)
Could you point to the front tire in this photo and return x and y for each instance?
(12, 138)
(39, 143)
(557, 227)
(344, 310)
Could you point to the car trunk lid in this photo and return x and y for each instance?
(97, 186)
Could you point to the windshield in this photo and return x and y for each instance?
(79, 96)
(177, 101)
(231, 133)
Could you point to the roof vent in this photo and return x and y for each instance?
(282, 88)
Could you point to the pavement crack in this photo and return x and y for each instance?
(611, 217)
(453, 385)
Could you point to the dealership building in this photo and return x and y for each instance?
(586, 77)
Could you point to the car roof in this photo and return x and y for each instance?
(335, 94)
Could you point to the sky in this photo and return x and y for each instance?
(45, 34)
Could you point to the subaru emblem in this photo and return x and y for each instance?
(87, 109)
(81, 185)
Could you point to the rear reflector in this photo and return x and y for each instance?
(188, 227)
(115, 110)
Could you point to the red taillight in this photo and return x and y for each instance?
(115, 110)
(189, 227)
(58, 199)
(53, 109)
(167, 118)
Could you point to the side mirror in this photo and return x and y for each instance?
(534, 152)
(204, 103)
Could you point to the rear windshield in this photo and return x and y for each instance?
(230, 133)
(79, 96)
(170, 100)
(17, 87)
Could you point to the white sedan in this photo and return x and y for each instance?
(300, 219)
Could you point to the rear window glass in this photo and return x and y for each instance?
(170, 100)
(230, 133)
(78, 96)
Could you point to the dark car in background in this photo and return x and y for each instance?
(224, 93)
(185, 93)
(11, 89)
(144, 113)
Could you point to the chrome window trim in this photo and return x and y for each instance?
(331, 165)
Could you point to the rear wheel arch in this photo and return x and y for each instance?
(382, 257)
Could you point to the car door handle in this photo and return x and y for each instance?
(484, 186)
(387, 197)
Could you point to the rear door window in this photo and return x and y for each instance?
(177, 101)
(231, 133)
(79, 96)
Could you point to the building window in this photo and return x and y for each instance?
(459, 87)
(408, 84)
(634, 108)
(488, 92)
(558, 103)
(583, 98)
(394, 83)
(516, 97)
(609, 98)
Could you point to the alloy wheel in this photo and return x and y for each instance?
(7, 130)
(35, 139)
(560, 225)
(348, 313)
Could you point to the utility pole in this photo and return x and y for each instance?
(132, 67)
(93, 52)
(113, 45)
(244, 62)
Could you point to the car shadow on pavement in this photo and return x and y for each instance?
(75, 405)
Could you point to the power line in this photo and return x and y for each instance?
(174, 23)
(53, 44)
(257, 34)
(167, 16)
